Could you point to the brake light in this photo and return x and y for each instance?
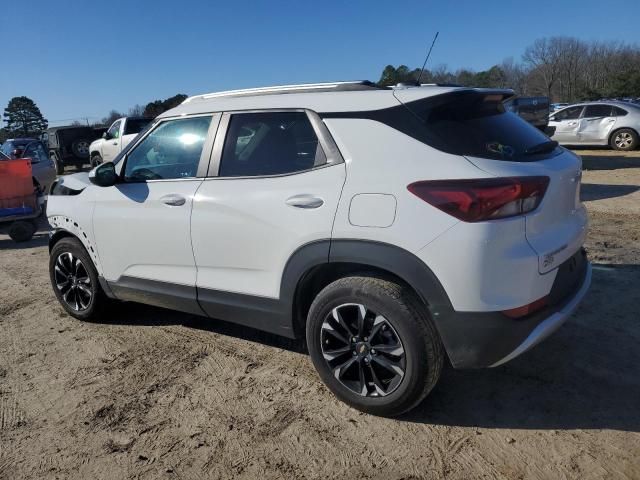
(483, 199)
(526, 310)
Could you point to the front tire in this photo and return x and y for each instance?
(59, 166)
(624, 140)
(96, 160)
(75, 281)
(374, 345)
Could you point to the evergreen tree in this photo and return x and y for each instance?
(23, 118)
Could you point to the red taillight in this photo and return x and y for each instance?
(484, 198)
(525, 310)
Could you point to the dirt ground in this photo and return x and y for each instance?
(156, 394)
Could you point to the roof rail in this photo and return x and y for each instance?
(301, 88)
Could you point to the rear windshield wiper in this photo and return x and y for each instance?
(543, 147)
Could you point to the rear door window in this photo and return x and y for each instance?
(270, 143)
(477, 124)
(595, 111)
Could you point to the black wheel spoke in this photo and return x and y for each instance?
(388, 365)
(341, 369)
(377, 384)
(338, 318)
(395, 350)
(333, 354)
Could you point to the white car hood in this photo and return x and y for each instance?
(75, 181)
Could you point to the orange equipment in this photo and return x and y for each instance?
(16, 183)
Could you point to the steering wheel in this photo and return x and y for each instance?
(145, 174)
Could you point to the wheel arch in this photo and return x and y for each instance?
(327, 261)
(616, 130)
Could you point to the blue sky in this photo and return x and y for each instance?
(78, 58)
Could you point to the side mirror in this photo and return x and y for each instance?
(552, 118)
(104, 175)
(106, 136)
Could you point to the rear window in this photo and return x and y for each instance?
(477, 124)
(135, 125)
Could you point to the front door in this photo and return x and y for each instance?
(142, 224)
(111, 145)
(566, 124)
(277, 189)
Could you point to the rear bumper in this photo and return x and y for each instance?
(490, 339)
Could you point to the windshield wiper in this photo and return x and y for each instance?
(543, 147)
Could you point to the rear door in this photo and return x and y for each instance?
(274, 186)
(565, 125)
(596, 124)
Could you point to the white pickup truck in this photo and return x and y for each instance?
(118, 136)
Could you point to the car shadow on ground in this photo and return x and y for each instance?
(39, 240)
(596, 191)
(609, 162)
(585, 376)
(143, 315)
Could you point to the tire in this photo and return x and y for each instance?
(624, 140)
(57, 163)
(96, 160)
(80, 148)
(400, 319)
(22, 231)
(74, 297)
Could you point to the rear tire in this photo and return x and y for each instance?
(385, 364)
(75, 281)
(624, 140)
(22, 231)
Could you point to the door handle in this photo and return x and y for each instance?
(571, 124)
(173, 200)
(305, 201)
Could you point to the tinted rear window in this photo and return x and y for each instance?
(136, 125)
(477, 125)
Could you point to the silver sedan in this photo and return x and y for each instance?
(599, 123)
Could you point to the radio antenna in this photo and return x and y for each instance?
(426, 59)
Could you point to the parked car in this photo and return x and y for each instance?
(116, 138)
(69, 145)
(597, 123)
(43, 168)
(534, 110)
(390, 227)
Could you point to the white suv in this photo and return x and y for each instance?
(388, 226)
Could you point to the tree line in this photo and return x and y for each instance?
(566, 69)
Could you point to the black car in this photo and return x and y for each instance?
(534, 110)
(69, 145)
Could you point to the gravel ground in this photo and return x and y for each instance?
(156, 394)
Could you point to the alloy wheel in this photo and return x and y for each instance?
(73, 282)
(623, 140)
(363, 350)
